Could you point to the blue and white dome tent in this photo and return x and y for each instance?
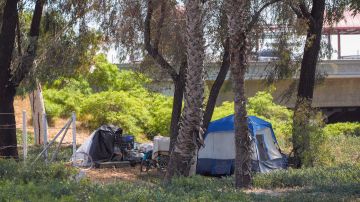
(217, 157)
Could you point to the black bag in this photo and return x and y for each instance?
(102, 147)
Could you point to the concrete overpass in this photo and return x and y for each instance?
(340, 88)
(338, 95)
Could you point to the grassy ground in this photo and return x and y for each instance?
(61, 182)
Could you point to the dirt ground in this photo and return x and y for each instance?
(133, 174)
(23, 104)
(130, 174)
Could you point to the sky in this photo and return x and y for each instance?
(350, 45)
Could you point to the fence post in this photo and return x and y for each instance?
(45, 136)
(24, 134)
(74, 131)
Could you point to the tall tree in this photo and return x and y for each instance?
(314, 20)
(241, 22)
(313, 14)
(178, 77)
(178, 74)
(13, 77)
(191, 122)
(157, 27)
(7, 90)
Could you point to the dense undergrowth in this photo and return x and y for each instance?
(110, 96)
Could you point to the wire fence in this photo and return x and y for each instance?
(70, 124)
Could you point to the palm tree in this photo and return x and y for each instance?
(240, 24)
(237, 12)
(185, 148)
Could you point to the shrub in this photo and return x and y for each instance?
(342, 149)
(110, 96)
(160, 108)
(118, 108)
(342, 129)
(107, 77)
(141, 114)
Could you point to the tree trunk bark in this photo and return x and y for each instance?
(177, 78)
(27, 60)
(303, 109)
(11, 81)
(215, 89)
(8, 144)
(176, 110)
(37, 110)
(237, 23)
(190, 129)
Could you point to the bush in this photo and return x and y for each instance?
(342, 150)
(107, 77)
(110, 96)
(118, 108)
(146, 114)
(160, 108)
(342, 129)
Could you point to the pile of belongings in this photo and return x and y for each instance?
(107, 143)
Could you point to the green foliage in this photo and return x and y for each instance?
(107, 77)
(19, 137)
(119, 108)
(160, 109)
(18, 172)
(57, 182)
(64, 96)
(342, 129)
(318, 176)
(311, 184)
(342, 150)
(110, 96)
(316, 152)
(225, 109)
(138, 113)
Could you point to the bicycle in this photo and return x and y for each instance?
(147, 163)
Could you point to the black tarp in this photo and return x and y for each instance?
(102, 147)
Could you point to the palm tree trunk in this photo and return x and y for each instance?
(237, 11)
(182, 156)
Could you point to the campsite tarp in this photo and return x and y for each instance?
(99, 146)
